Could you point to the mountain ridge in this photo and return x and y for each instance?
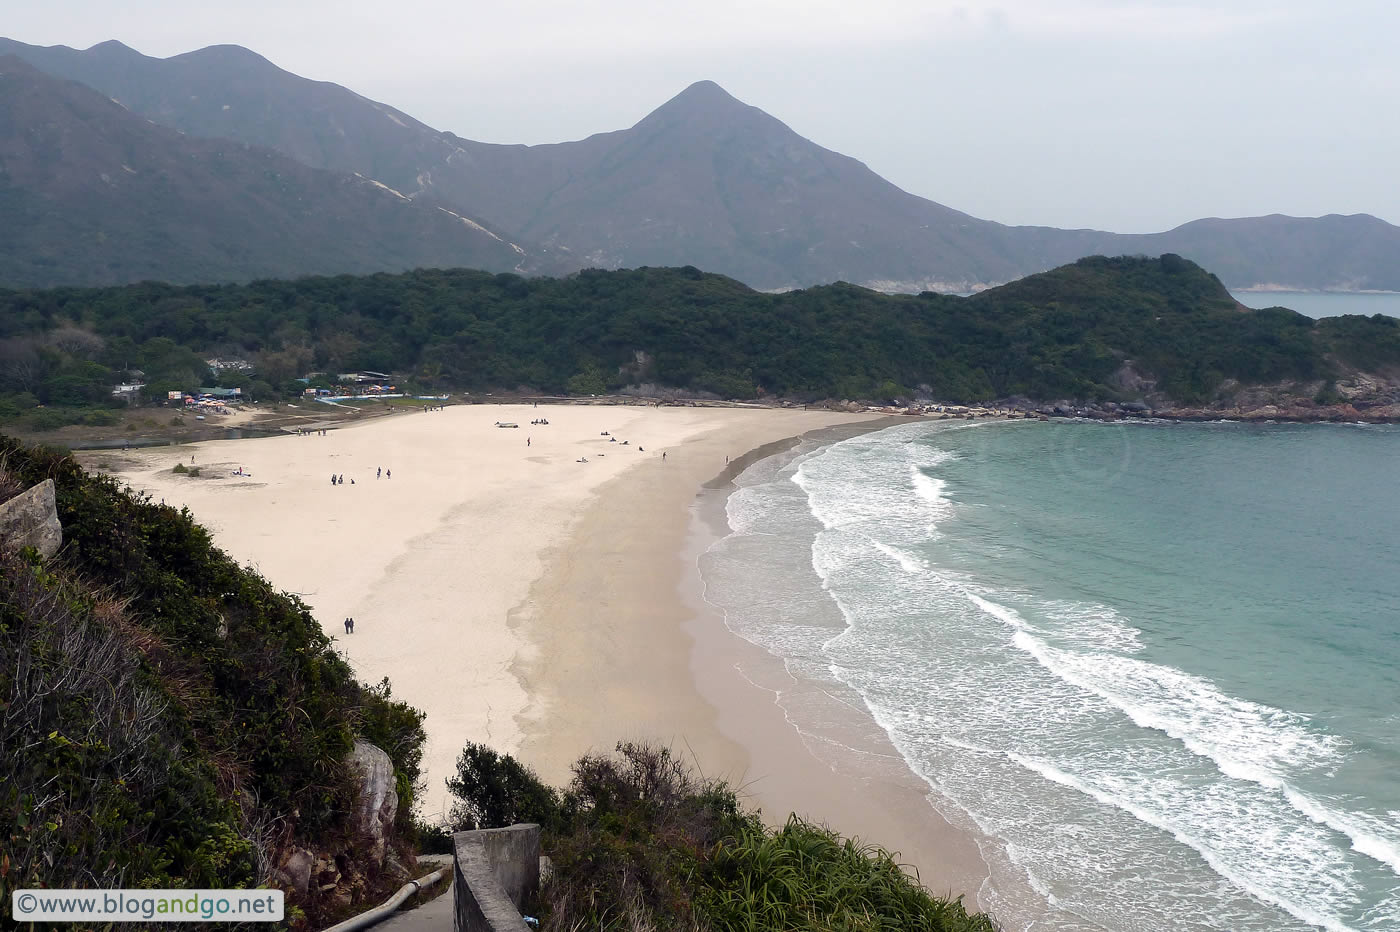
(94, 194)
(704, 179)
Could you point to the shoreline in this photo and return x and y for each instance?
(433, 562)
(545, 607)
(847, 774)
(663, 666)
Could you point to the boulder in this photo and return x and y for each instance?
(30, 519)
(395, 869)
(296, 870)
(378, 799)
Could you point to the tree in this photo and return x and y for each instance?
(588, 382)
(495, 790)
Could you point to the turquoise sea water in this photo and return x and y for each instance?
(1156, 665)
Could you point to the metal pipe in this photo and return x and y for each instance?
(391, 905)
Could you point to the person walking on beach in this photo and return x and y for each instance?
(332, 478)
(352, 624)
(388, 474)
(347, 624)
(663, 456)
(527, 441)
(378, 472)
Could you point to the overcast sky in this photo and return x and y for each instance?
(1126, 115)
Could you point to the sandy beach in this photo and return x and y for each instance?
(540, 604)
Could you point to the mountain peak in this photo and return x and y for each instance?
(113, 49)
(226, 54)
(705, 92)
(702, 104)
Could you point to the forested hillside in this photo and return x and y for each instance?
(1061, 334)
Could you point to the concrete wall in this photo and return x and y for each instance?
(496, 870)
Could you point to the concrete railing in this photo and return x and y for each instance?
(495, 872)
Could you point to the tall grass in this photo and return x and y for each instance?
(806, 877)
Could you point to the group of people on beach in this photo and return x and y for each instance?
(379, 473)
(308, 432)
(427, 408)
(349, 625)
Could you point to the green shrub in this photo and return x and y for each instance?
(808, 877)
(431, 839)
(644, 843)
(46, 419)
(493, 790)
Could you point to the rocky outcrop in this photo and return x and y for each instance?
(30, 519)
(295, 871)
(359, 863)
(378, 800)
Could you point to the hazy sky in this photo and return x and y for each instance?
(1127, 115)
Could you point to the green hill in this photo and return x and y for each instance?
(1072, 333)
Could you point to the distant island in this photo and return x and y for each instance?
(1103, 337)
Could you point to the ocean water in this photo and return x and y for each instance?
(1157, 666)
(1318, 304)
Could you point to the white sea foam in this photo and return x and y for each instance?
(926, 650)
(1244, 879)
(906, 560)
(927, 487)
(1248, 741)
(1369, 835)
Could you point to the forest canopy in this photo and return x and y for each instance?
(1060, 334)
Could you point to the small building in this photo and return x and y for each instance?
(127, 389)
(364, 377)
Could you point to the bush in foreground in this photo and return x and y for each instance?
(168, 718)
(640, 842)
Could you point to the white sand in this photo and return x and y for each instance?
(431, 562)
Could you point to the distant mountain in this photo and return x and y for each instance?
(704, 180)
(93, 194)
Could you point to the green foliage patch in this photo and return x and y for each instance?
(1060, 334)
(638, 841)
